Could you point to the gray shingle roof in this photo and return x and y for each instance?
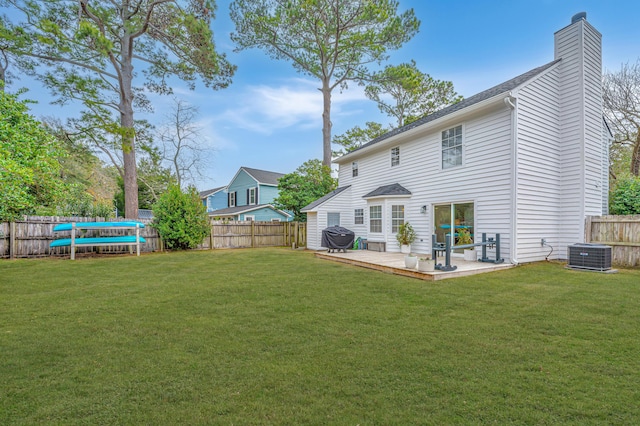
(388, 190)
(321, 200)
(264, 176)
(241, 209)
(479, 97)
(204, 194)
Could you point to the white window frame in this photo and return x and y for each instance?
(332, 214)
(397, 217)
(252, 196)
(373, 218)
(249, 218)
(232, 199)
(450, 143)
(354, 169)
(275, 219)
(395, 156)
(358, 219)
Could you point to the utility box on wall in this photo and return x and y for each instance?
(590, 256)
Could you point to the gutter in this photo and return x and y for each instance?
(511, 102)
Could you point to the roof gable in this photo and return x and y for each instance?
(208, 192)
(504, 87)
(393, 190)
(322, 200)
(263, 177)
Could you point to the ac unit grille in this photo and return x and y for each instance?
(594, 257)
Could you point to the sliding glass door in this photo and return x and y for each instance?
(449, 218)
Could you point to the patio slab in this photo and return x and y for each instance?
(393, 263)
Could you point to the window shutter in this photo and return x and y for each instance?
(228, 199)
(257, 199)
(247, 196)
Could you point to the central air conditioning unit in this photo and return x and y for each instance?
(590, 256)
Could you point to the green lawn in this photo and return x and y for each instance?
(275, 336)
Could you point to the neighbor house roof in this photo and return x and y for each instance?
(232, 211)
(205, 194)
(321, 200)
(263, 176)
(507, 86)
(393, 190)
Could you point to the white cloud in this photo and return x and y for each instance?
(265, 109)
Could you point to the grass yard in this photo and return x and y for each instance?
(275, 336)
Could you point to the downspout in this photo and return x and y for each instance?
(510, 101)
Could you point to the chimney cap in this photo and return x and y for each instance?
(578, 16)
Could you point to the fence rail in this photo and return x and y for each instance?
(31, 236)
(622, 233)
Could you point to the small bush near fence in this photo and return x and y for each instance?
(31, 236)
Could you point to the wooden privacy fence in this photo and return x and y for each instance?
(31, 236)
(622, 233)
(243, 234)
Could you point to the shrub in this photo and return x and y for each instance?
(625, 197)
(181, 218)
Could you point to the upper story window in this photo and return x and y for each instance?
(452, 147)
(232, 199)
(395, 156)
(375, 219)
(354, 169)
(251, 199)
(358, 216)
(397, 217)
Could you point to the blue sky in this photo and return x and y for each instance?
(270, 117)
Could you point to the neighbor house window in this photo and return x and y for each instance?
(397, 217)
(375, 218)
(358, 215)
(395, 156)
(452, 147)
(249, 218)
(232, 199)
(252, 196)
(333, 219)
(354, 169)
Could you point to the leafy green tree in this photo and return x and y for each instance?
(355, 137)
(11, 39)
(309, 182)
(413, 93)
(625, 197)
(29, 167)
(181, 218)
(334, 41)
(90, 48)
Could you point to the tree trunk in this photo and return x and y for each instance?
(128, 138)
(635, 157)
(326, 123)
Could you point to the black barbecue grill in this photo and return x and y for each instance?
(337, 238)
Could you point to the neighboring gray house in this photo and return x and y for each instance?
(527, 159)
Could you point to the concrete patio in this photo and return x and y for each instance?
(393, 263)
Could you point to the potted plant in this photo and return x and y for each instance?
(426, 264)
(405, 236)
(464, 238)
(410, 261)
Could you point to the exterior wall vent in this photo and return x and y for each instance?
(578, 16)
(594, 257)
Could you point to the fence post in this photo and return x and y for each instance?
(211, 235)
(253, 234)
(12, 240)
(587, 230)
(295, 234)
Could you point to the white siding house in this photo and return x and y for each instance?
(526, 159)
